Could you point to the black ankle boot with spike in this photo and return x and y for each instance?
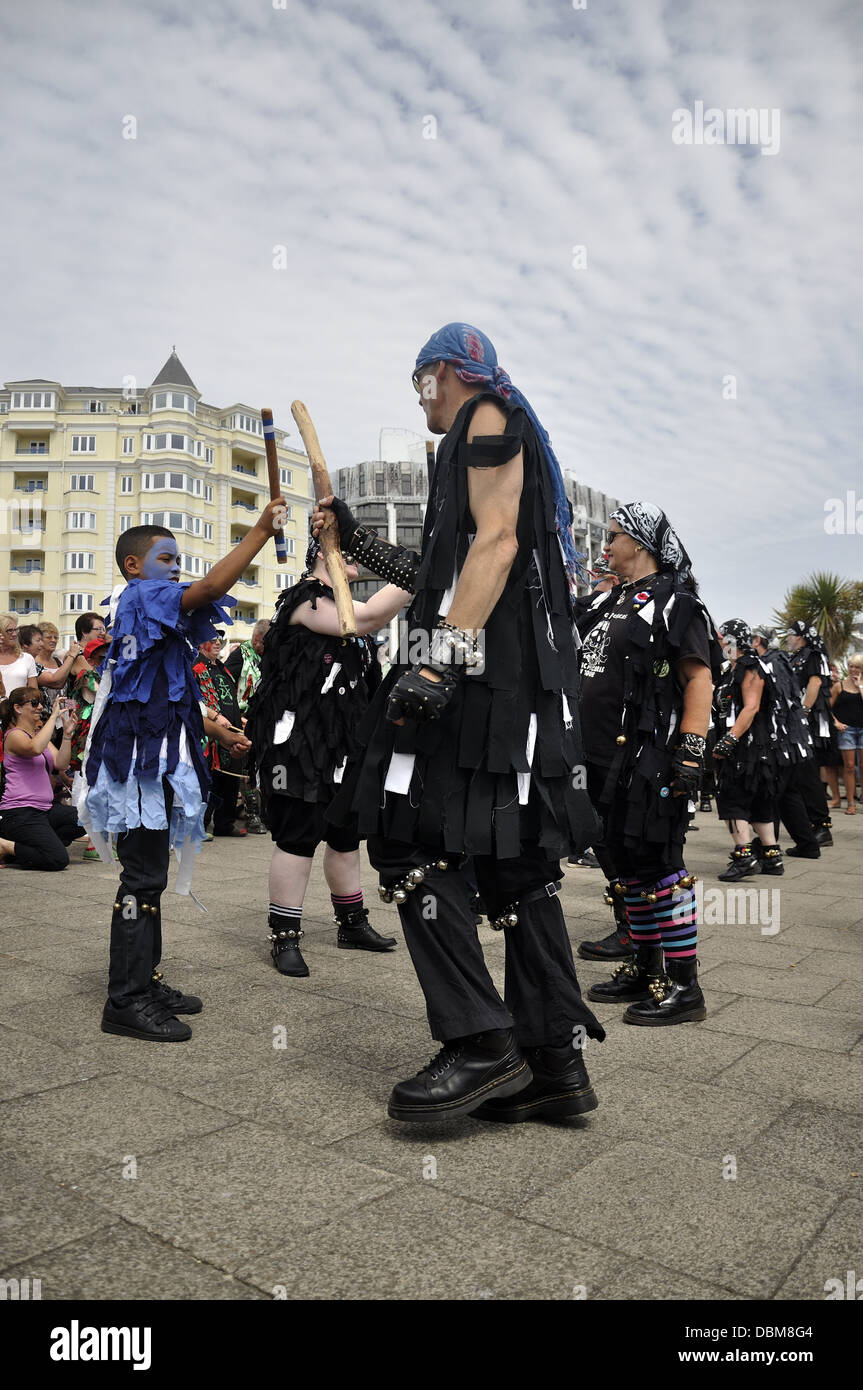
(356, 933)
(285, 948)
(675, 998)
(631, 978)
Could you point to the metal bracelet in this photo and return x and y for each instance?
(693, 744)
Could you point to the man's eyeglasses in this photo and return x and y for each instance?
(417, 377)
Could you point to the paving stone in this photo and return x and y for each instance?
(847, 997)
(813, 1143)
(133, 1266)
(693, 1052)
(789, 1023)
(734, 1233)
(38, 1213)
(421, 1243)
(30, 1064)
(847, 965)
(835, 1252)
(24, 984)
(642, 1279)
(788, 1074)
(795, 985)
(80, 1126)
(250, 1188)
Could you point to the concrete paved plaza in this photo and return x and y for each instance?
(725, 1160)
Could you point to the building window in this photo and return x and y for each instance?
(96, 407)
(209, 455)
(38, 446)
(208, 531)
(80, 560)
(285, 581)
(290, 545)
(247, 423)
(83, 443)
(173, 400)
(286, 477)
(208, 493)
(361, 484)
(32, 400)
(80, 521)
(125, 524)
(127, 483)
(78, 603)
(128, 444)
(82, 482)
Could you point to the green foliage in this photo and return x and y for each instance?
(829, 604)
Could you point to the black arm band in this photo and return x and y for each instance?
(489, 450)
(391, 562)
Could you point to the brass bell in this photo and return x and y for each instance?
(416, 876)
(442, 864)
(497, 924)
(609, 899)
(400, 896)
(620, 740)
(619, 888)
(688, 881)
(409, 884)
(384, 893)
(651, 897)
(511, 919)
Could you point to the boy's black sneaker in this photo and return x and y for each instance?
(175, 999)
(146, 1018)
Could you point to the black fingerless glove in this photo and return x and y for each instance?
(725, 746)
(685, 779)
(348, 525)
(416, 697)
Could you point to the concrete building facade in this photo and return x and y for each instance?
(80, 465)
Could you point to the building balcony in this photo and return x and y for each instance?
(26, 581)
(26, 603)
(251, 579)
(249, 469)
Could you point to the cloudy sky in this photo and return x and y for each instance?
(306, 127)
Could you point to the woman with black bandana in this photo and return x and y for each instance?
(809, 662)
(648, 662)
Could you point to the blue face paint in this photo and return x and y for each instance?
(162, 560)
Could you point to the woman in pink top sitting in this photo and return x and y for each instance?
(34, 832)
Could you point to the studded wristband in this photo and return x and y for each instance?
(391, 562)
(693, 746)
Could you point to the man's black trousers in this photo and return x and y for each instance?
(542, 994)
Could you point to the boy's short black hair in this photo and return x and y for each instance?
(84, 622)
(137, 541)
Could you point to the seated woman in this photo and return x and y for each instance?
(34, 831)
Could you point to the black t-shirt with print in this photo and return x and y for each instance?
(226, 693)
(603, 657)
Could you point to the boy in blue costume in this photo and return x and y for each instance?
(144, 776)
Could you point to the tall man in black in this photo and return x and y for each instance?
(474, 749)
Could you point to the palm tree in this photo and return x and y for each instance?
(829, 604)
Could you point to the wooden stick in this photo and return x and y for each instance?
(273, 472)
(329, 536)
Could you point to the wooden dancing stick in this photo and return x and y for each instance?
(329, 536)
(273, 471)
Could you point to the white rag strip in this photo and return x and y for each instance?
(282, 731)
(524, 777)
(399, 773)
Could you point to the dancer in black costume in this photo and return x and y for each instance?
(762, 734)
(808, 660)
(648, 662)
(476, 750)
(314, 688)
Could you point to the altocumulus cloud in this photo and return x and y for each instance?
(304, 128)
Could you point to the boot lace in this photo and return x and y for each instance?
(444, 1060)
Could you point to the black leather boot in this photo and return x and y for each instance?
(822, 833)
(742, 863)
(560, 1089)
(675, 998)
(252, 802)
(464, 1074)
(357, 934)
(631, 978)
(285, 948)
(705, 804)
(771, 860)
(618, 944)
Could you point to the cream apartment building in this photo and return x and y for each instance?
(79, 465)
